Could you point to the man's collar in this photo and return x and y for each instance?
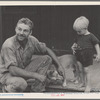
(18, 44)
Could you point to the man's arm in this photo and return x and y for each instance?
(53, 56)
(15, 71)
(59, 66)
(9, 57)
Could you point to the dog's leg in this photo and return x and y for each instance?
(62, 60)
(64, 80)
(76, 73)
(64, 83)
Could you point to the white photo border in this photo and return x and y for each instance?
(48, 95)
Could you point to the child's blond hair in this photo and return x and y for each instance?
(80, 23)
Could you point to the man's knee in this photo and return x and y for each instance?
(15, 84)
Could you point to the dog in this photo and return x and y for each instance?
(69, 61)
(93, 80)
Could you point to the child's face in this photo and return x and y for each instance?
(81, 31)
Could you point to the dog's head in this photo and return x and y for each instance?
(53, 74)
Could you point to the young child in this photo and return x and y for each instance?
(83, 46)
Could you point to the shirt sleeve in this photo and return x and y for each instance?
(94, 39)
(39, 47)
(8, 56)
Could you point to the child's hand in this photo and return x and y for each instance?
(97, 58)
(74, 46)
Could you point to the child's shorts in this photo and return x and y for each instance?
(85, 56)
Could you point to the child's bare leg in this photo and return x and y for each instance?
(88, 85)
(88, 78)
(82, 74)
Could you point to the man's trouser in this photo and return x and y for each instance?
(39, 64)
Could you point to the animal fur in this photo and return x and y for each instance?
(69, 61)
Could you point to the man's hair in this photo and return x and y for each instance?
(80, 23)
(26, 21)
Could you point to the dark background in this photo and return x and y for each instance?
(52, 24)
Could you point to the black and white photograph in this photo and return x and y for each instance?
(50, 48)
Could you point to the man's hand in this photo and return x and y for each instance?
(61, 71)
(41, 78)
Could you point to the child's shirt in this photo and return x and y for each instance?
(86, 41)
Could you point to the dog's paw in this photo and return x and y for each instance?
(64, 84)
(76, 81)
(81, 85)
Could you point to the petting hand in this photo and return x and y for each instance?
(97, 58)
(42, 78)
(61, 70)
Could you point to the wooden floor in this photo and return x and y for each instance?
(71, 87)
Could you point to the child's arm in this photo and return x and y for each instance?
(97, 47)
